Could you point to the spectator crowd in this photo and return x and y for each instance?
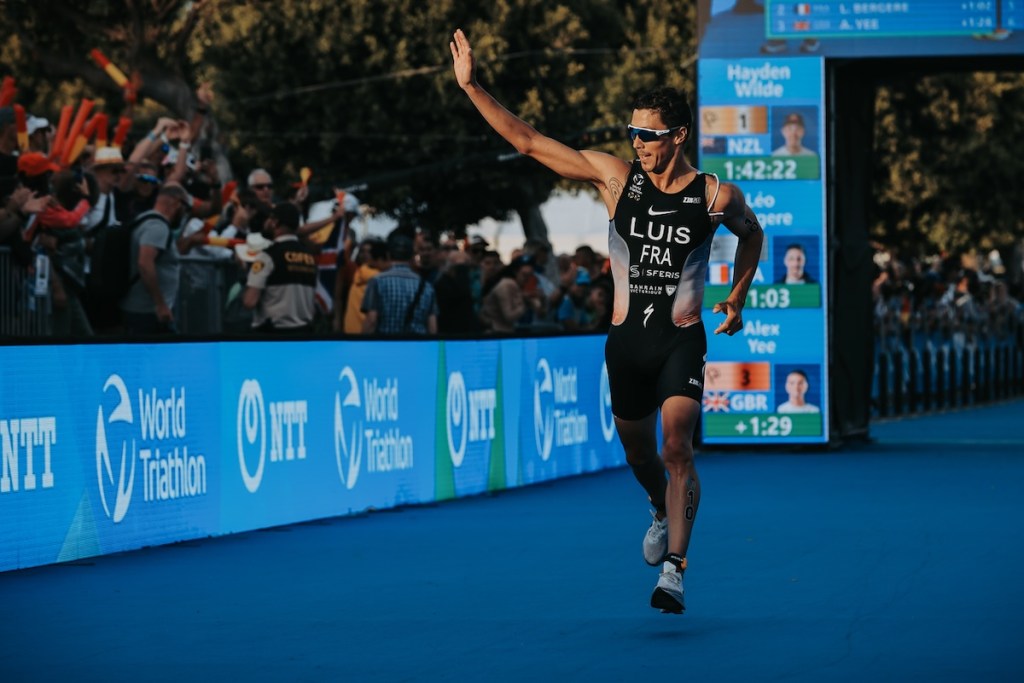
(108, 234)
(959, 300)
(108, 229)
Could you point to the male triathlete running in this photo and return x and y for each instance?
(663, 213)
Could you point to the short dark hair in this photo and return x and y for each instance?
(375, 249)
(174, 191)
(428, 237)
(535, 244)
(246, 196)
(400, 245)
(287, 214)
(669, 103)
(260, 213)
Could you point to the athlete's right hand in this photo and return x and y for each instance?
(462, 59)
(733, 322)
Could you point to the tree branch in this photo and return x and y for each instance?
(169, 89)
(84, 22)
(137, 35)
(164, 9)
(187, 29)
(56, 66)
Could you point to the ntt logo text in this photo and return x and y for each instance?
(19, 439)
(287, 438)
(469, 416)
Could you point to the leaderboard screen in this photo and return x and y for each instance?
(761, 127)
(840, 28)
(843, 19)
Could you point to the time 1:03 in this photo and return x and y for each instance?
(770, 426)
(760, 169)
(769, 297)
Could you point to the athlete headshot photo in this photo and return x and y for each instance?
(795, 385)
(662, 216)
(792, 258)
(794, 134)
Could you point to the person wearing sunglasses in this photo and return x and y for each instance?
(662, 215)
(260, 182)
(140, 195)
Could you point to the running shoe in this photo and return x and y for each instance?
(668, 594)
(656, 541)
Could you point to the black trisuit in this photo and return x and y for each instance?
(658, 245)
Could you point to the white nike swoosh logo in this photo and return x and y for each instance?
(652, 212)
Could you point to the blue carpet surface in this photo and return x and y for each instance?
(895, 560)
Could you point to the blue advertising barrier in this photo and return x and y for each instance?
(106, 448)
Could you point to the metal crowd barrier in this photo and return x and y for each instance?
(918, 373)
(203, 292)
(913, 372)
(23, 313)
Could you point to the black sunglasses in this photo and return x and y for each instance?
(648, 134)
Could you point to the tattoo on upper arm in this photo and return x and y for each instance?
(744, 224)
(615, 187)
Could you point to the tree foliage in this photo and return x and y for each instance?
(362, 92)
(949, 158)
(47, 43)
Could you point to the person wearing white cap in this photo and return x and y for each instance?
(255, 244)
(40, 134)
(238, 318)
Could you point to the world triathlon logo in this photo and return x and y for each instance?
(456, 422)
(348, 447)
(543, 409)
(159, 443)
(252, 434)
(605, 409)
(121, 414)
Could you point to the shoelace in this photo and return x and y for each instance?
(659, 528)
